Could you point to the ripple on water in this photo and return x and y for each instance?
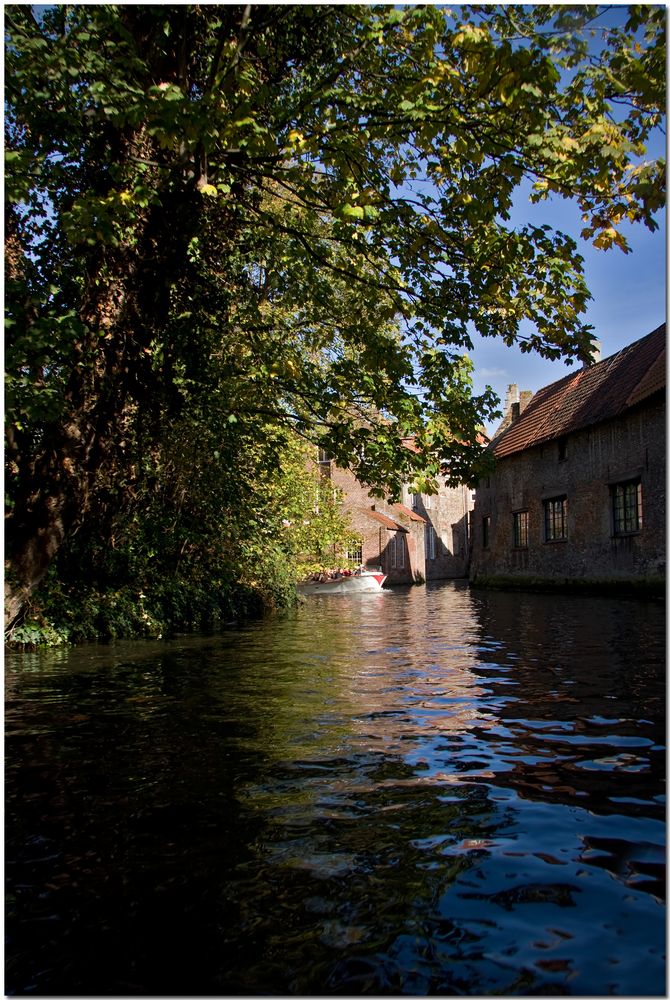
(439, 792)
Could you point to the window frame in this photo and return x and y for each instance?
(520, 528)
(551, 507)
(397, 546)
(354, 554)
(621, 525)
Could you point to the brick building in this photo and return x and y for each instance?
(447, 521)
(578, 493)
(422, 538)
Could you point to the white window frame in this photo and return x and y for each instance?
(354, 555)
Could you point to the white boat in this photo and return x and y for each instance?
(362, 581)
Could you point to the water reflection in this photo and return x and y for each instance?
(587, 704)
(432, 790)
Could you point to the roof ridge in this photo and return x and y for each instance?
(589, 395)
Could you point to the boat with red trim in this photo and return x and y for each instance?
(359, 581)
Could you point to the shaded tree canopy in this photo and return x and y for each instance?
(289, 220)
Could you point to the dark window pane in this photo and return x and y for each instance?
(627, 507)
(555, 519)
(521, 529)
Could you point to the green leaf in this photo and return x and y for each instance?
(352, 212)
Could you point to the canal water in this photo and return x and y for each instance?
(430, 791)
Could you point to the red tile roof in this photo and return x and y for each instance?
(386, 521)
(589, 396)
(412, 514)
(410, 444)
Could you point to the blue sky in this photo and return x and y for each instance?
(628, 290)
(629, 301)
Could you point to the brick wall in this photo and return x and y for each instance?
(398, 552)
(583, 468)
(447, 514)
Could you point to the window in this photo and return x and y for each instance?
(323, 458)
(520, 520)
(627, 507)
(397, 546)
(427, 502)
(355, 555)
(415, 500)
(430, 542)
(562, 449)
(556, 519)
(486, 531)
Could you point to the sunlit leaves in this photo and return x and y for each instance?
(298, 215)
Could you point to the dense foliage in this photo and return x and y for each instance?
(230, 229)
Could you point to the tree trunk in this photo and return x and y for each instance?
(124, 308)
(28, 565)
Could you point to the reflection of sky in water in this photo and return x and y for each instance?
(432, 790)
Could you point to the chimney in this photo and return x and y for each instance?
(524, 398)
(512, 395)
(515, 411)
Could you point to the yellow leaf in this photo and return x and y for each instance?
(296, 138)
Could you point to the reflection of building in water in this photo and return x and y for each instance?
(419, 683)
(578, 685)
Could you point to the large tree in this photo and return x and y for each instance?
(295, 215)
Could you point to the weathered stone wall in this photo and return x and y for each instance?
(448, 514)
(583, 468)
